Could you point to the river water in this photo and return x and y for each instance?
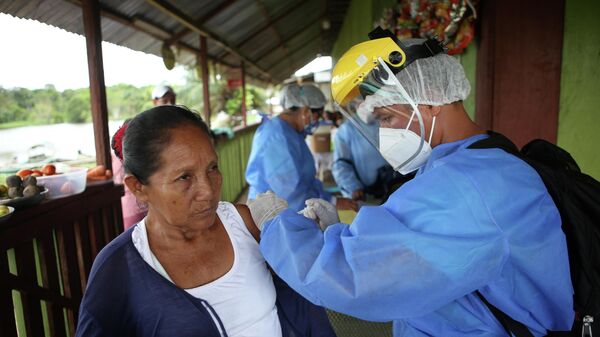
(58, 141)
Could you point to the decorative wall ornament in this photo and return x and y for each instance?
(451, 21)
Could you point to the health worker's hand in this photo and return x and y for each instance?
(323, 212)
(265, 207)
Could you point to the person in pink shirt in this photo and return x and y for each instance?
(133, 210)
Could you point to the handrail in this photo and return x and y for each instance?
(47, 252)
(233, 159)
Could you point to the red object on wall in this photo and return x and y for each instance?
(234, 83)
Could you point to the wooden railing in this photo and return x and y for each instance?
(47, 253)
(233, 159)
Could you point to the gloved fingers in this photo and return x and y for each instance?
(310, 213)
(321, 205)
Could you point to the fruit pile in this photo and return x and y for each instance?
(16, 187)
(46, 170)
(98, 173)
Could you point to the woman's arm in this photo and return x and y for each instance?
(247, 217)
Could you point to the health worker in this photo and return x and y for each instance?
(280, 160)
(473, 224)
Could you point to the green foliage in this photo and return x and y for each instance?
(21, 107)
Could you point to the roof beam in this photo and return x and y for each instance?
(302, 45)
(129, 22)
(296, 32)
(265, 14)
(185, 31)
(270, 23)
(178, 15)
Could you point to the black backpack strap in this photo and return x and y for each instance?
(512, 327)
(497, 140)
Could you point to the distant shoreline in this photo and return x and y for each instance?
(21, 124)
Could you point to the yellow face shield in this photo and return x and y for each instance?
(363, 61)
(371, 98)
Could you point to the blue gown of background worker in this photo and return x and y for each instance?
(470, 220)
(355, 161)
(280, 160)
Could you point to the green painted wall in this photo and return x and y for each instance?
(357, 24)
(468, 59)
(579, 118)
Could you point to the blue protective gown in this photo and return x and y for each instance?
(470, 220)
(280, 161)
(350, 145)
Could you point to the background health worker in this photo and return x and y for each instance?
(280, 160)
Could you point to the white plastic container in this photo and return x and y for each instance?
(64, 184)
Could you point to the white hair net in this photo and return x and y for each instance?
(436, 80)
(292, 95)
(314, 96)
(385, 96)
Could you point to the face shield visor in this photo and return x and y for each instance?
(399, 134)
(382, 110)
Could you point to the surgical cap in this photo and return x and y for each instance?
(436, 80)
(314, 96)
(292, 96)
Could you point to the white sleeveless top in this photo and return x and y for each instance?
(244, 298)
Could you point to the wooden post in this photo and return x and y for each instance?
(518, 75)
(205, 84)
(93, 39)
(244, 120)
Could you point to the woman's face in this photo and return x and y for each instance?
(186, 189)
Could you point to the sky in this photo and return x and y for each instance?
(321, 63)
(37, 54)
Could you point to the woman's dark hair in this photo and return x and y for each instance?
(148, 133)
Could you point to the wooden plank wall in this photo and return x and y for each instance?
(518, 68)
(46, 256)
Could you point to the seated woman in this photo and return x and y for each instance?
(192, 266)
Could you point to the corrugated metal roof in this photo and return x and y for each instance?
(277, 36)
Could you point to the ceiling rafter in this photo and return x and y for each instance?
(302, 45)
(265, 14)
(185, 31)
(294, 33)
(178, 15)
(129, 22)
(269, 24)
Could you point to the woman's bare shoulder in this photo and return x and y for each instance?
(247, 217)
